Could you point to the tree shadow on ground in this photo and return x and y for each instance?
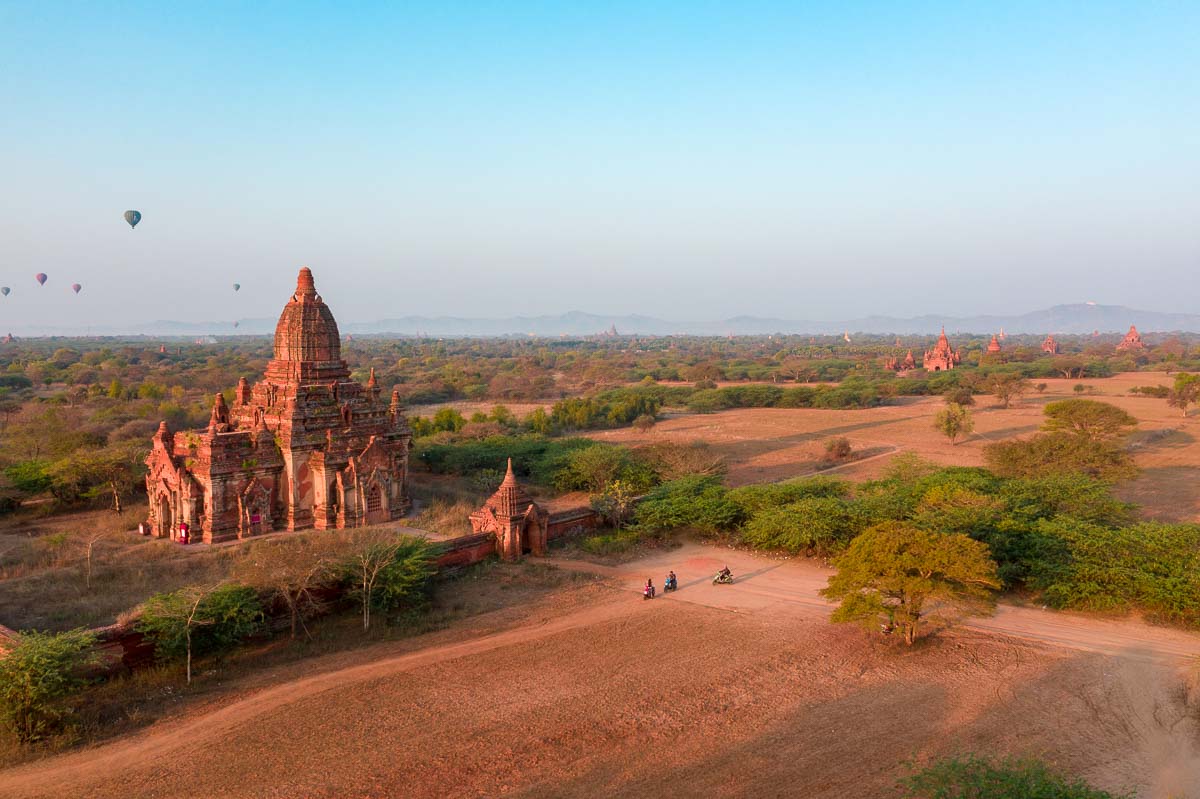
(1164, 493)
(1120, 723)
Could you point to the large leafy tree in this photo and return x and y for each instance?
(891, 571)
(1060, 453)
(1097, 421)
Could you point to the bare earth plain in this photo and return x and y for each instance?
(742, 690)
(726, 691)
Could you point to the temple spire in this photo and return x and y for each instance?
(305, 285)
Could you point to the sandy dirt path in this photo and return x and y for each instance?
(763, 582)
(69, 774)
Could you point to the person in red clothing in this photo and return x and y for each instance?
(184, 531)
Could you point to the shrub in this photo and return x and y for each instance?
(31, 477)
(698, 502)
(1152, 566)
(1059, 453)
(959, 395)
(973, 778)
(224, 617)
(644, 423)
(595, 467)
(754, 498)
(38, 677)
(1091, 419)
(404, 583)
(815, 525)
(838, 448)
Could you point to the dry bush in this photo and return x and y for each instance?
(672, 460)
(446, 516)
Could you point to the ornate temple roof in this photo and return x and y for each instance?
(306, 330)
(510, 499)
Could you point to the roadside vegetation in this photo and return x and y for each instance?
(978, 778)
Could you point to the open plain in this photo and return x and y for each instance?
(742, 690)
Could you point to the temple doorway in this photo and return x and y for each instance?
(376, 514)
(165, 526)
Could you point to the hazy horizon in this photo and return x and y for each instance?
(687, 162)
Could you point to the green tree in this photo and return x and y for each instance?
(38, 677)
(959, 395)
(1060, 453)
(385, 571)
(1007, 387)
(615, 503)
(954, 421)
(404, 583)
(31, 477)
(975, 778)
(115, 471)
(200, 619)
(892, 569)
(1098, 421)
(810, 526)
(1185, 392)
(539, 421)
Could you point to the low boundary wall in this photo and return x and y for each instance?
(121, 647)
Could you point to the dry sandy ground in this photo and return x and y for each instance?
(768, 444)
(725, 691)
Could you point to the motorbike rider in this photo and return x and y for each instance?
(671, 579)
(649, 589)
(725, 574)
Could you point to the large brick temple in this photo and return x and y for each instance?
(306, 446)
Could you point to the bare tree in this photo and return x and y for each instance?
(369, 557)
(293, 571)
(87, 542)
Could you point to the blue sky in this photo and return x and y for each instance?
(687, 160)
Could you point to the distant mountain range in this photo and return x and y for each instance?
(1067, 319)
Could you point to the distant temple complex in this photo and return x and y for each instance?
(1132, 341)
(942, 356)
(897, 365)
(1050, 346)
(993, 347)
(306, 446)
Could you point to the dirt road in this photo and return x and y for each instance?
(763, 583)
(713, 690)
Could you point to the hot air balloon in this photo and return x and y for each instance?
(237, 286)
(133, 217)
(40, 277)
(5, 291)
(75, 287)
